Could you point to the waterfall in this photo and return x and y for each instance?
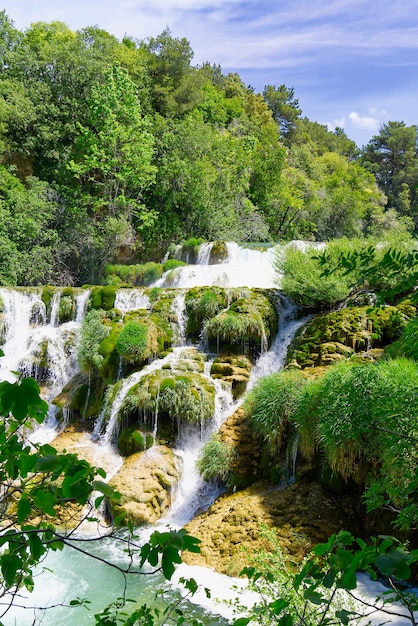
(81, 305)
(131, 300)
(55, 305)
(179, 311)
(34, 347)
(243, 267)
(111, 430)
(274, 359)
(203, 255)
(18, 308)
(26, 331)
(192, 494)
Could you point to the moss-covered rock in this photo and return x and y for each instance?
(133, 440)
(80, 400)
(218, 253)
(247, 326)
(338, 335)
(103, 297)
(234, 370)
(203, 303)
(145, 481)
(177, 393)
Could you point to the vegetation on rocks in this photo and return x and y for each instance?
(247, 326)
(336, 336)
(177, 394)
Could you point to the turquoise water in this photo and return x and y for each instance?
(69, 574)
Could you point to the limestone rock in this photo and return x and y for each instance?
(303, 514)
(145, 481)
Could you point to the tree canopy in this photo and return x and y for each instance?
(133, 148)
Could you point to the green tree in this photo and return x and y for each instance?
(175, 84)
(392, 157)
(285, 108)
(111, 166)
(30, 253)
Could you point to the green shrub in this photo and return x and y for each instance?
(132, 342)
(171, 264)
(66, 308)
(345, 424)
(407, 344)
(363, 420)
(134, 275)
(302, 280)
(92, 334)
(216, 459)
(271, 404)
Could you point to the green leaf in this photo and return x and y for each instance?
(277, 606)
(23, 508)
(104, 488)
(37, 548)
(45, 501)
(313, 596)
(47, 464)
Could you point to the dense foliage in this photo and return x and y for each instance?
(360, 418)
(111, 150)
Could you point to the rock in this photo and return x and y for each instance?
(335, 336)
(302, 515)
(236, 431)
(145, 481)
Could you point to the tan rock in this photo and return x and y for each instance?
(303, 514)
(145, 481)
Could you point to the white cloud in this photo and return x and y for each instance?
(372, 123)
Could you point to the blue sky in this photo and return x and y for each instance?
(352, 63)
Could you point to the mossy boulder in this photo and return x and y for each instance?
(103, 297)
(133, 275)
(145, 481)
(332, 337)
(203, 303)
(218, 253)
(234, 370)
(79, 402)
(247, 326)
(178, 393)
(133, 440)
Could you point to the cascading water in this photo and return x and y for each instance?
(110, 432)
(26, 328)
(179, 310)
(243, 267)
(36, 347)
(131, 300)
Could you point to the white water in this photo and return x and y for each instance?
(242, 268)
(111, 432)
(131, 300)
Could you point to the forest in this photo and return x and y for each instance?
(112, 150)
